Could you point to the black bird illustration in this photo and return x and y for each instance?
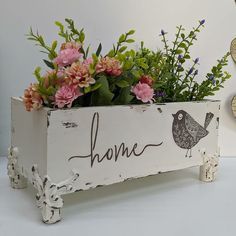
(187, 132)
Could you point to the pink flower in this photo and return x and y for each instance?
(143, 92)
(32, 99)
(78, 75)
(110, 66)
(66, 95)
(88, 61)
(68, 54)
(60, 73)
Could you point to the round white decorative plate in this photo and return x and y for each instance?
(233, 104)
(233, 49)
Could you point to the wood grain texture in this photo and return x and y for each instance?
(107, 145)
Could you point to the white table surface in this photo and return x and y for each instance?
(170, 204)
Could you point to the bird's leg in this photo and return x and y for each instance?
(190, 153)
(187, 153)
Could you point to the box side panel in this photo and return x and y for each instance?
(29, 135)
(111, 144)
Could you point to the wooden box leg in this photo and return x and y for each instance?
(17, 180)
(209, 168)
(49, 198)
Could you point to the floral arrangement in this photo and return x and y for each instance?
(78, 78)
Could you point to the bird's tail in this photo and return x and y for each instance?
(208, 119)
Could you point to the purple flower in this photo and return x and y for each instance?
(179, 66)
(196, 72)
(196, 60)
(163, 32)
(212, 78)
(180, 57)
(160, 94)
(190, 71)
(202, 22)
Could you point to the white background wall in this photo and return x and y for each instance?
(105, 20)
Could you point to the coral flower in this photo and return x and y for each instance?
(143, 92)
(70, 45)
(78, 75)
(110, 66)
(68, 54)
(66, 95)
(54, 78)
(32, 99)
(146, 79)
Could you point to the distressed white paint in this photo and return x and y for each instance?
(16, 179)
(209, 168)
(49, 195)
(48, 138)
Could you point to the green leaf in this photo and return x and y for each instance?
(103, 95)
(95, 58)
(122, 38)
(179, 51)
(91, 69)
(187, 56)
(124, 97)
(111, 53)
(95, 87)
(99, 49)
(127, 64)
(51, 90)
(131, 32)
(122, 83)
(49, 64)
(130, 41)
(44, 91)
(191, 34)
(54, 45)
(87, 51)
(60, 25)
(136, 73)
(132, 53)
(81, 37)
(37, 74)
(180, 69)
(87, 90)
(183, 45)
(122, 49)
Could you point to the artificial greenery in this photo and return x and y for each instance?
(172, 70)
(175, 82)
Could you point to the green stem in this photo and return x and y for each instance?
(173, 53)
(165, 43)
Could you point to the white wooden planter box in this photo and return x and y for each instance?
(63, 151)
